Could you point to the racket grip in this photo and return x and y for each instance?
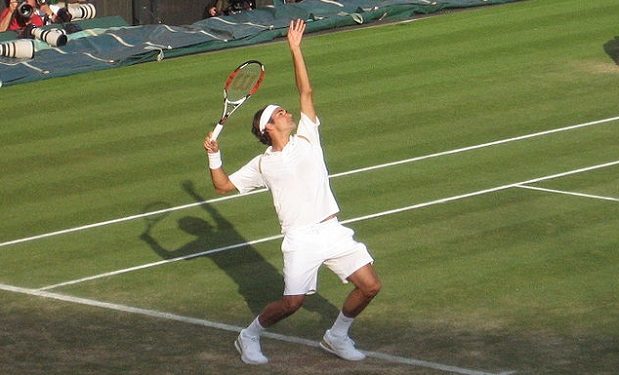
(216, 131)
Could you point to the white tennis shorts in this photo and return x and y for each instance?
(306, 249)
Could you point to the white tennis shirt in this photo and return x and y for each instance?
(296, 176)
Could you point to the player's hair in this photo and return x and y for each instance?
(263, 137)
(7, 3)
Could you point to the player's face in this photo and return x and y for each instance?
(283, 119)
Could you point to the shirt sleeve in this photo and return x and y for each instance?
(309, 129)
(248, 178)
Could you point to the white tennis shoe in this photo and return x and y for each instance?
(249, 348)
(342, 347)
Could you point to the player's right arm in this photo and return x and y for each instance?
(220, 179)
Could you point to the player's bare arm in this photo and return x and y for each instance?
(221, 182)
(295, 36)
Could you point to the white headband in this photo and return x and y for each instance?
(266, 116)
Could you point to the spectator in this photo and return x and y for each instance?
(216, 8)
(11, 19)
(237, 6)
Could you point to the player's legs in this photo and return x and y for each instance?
(336, 339)
(280, 309)
(300, 278)
(248, 341)
(352, 262)
(367, 285)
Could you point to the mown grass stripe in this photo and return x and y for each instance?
(361, 170)
(231, 328)
(347, 221)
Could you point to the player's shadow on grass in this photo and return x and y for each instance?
(258, 281)
(612, 49)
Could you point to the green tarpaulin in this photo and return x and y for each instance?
(109, 43)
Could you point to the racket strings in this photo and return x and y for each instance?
(244, 82)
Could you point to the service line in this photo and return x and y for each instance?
(353, 220)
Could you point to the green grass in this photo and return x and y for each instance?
(515, 279)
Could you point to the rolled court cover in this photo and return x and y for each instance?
(109, 42)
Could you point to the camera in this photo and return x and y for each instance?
(19, 49)
(53, 37)
(24, 9)
(76, 12)
(82, 11)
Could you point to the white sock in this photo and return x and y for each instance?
(342, 325)
(254, 329)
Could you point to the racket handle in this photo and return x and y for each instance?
(216, 131)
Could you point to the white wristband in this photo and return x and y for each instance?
(214, 160)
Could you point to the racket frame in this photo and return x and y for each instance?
(231, 106)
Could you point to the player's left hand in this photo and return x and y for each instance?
(295, 32)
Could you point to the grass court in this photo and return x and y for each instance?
(476, 153)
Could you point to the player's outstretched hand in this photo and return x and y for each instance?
(295, 32)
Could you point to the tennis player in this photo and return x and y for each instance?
(293, 169)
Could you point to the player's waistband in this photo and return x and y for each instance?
(328, 218)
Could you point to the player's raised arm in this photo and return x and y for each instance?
(295, 35)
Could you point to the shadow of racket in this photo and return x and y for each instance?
(154, 213)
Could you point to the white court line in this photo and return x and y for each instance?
(232, 328)
(480, 192)
(126, 218)
(483, 145)
(162, 262)
(385, 165)
(353, 220)
(569, 193)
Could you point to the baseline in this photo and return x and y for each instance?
(233, 328)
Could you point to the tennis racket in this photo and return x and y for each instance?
(242, 83)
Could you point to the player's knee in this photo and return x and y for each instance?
(293, 303)
(372, 289)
